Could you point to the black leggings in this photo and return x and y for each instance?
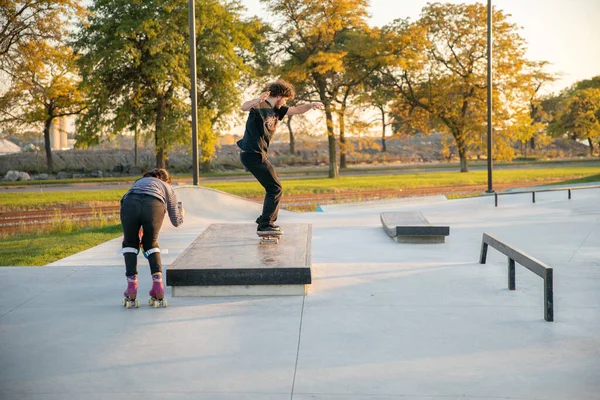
(263, 171)
(141, 210)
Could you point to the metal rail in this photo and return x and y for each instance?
(534, 191)
(534, 265)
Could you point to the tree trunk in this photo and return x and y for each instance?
(333, 169)
(289, 125)
(532, 142)
(48, 147)
(383, 147)
(462, 152)
(205, 166)
(342, 139)
(135, 146)
(159, 134)
(591, 147)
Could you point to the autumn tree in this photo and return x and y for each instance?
(135, 63)
(45, 85)
(23, 22)
(449, 92)
(306, 42)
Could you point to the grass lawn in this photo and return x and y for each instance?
(415, 180)
(30, 250)
(44, 200)
(44, 248)
(571, 174)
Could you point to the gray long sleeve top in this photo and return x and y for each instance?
(162, 191)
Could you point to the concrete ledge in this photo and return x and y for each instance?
(412, 227)
(228, 260)
(238, 290)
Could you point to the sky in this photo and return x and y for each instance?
(564, 32)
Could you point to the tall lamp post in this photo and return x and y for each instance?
(194, 91)
(489, 95)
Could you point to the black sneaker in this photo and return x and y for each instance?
(258, 219)
(268, 228)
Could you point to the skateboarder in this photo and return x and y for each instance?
(265, 112)
(144, 206)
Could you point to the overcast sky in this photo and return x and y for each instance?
(564, 32)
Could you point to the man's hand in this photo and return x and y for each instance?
(251, 103)
(264, 96)
(304, 108)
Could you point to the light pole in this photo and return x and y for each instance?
(489, 95)
(194, 91)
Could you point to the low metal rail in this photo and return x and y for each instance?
(534, 265)
(534, 191)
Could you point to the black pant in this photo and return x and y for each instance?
(140, 210)
(263, 171)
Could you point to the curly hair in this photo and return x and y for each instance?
(281, 88)
(159, 173)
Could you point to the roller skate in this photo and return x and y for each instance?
(131, 292)
(157, 293)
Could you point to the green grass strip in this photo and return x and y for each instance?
(411, 180)
(573, 174)
(29, 250)
(45, 200)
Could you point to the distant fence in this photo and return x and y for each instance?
(534, 191)
(534, 265)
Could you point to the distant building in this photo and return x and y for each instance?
(59, 134)
(8, 147)
(227, 140)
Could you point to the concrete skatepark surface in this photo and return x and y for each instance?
(382, 320)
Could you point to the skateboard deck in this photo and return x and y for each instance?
(269, 237)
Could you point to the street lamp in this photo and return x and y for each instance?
(489, 95)
(194, 91)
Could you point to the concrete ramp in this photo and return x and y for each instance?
(385, 203)
(206, 204)
(228, 260)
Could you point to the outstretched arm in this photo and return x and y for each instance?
(251, 103)
(304, 108)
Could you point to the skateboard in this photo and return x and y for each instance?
(269, 237)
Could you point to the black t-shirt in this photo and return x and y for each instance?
(260, 127)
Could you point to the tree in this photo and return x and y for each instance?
(578, 116)
(306, 43)
(449, 92)
(378, 94)
(135, 59)
(26, 21)
(46, 84)
(537, 79)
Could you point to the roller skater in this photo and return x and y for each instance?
(131, 292)
(143, 209)
(157, 293)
